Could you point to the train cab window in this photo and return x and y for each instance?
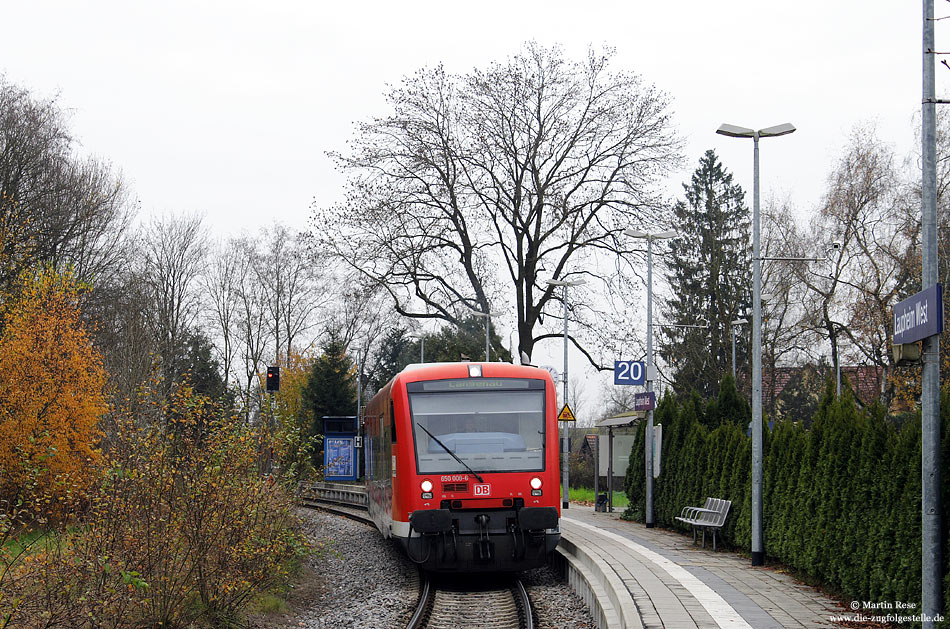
(497, 428)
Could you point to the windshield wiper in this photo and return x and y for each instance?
(455, 456)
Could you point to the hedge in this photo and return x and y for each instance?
(841, 497)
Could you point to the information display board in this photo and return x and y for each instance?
(339, 458)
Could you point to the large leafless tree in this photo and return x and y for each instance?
(478, 187)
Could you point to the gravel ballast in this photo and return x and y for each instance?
(361, 580)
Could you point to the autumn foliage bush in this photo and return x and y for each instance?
(51, 394)
(182, 529)
(170, 521)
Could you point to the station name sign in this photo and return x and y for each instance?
(644, 401)
(919, 316)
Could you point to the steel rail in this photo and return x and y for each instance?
(424, 604)
(524, 604)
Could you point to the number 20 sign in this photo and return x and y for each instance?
(629, 372)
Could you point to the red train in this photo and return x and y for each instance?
(462, 465)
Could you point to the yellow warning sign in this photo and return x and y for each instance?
(566, 414)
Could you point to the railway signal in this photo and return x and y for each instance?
(273, 379)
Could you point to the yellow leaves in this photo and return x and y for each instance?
(51, 388)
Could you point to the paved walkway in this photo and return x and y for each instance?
(677, 585)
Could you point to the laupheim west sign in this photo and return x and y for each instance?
(919, 316)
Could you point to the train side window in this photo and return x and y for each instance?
(392, 421)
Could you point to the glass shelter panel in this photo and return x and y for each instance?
(491, 430)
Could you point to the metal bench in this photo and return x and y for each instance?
(711, 515)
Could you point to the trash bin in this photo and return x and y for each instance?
(601, 504)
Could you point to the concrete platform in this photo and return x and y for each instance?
(653, 578)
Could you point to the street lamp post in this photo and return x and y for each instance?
(931, 488)
(758, 550)
(651, 368)
(565, 478)
(488, 316)
(735, 324)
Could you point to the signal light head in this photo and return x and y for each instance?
(273, 379)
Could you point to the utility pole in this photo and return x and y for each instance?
(931, 574)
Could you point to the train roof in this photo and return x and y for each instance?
(440, 371)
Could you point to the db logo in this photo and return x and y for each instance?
(482, 490)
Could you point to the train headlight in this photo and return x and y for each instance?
(535, 483)
(426, 485)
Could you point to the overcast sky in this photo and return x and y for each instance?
(228, 108)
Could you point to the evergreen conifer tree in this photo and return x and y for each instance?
(466, 341)
(331, 387)
(710, 275)
(395, 352)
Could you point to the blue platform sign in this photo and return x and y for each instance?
(339, 458)
(919, 316)
(644, 401)
(629, 372)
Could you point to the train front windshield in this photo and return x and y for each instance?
(492, 424)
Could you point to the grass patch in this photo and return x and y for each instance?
(28, 542)
(586, 494)
(270, 604)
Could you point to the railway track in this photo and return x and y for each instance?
(345, 500)
(442, 603)
(452, 604)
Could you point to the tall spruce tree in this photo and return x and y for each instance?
(331, 385)
(710, 275)
(395, 352)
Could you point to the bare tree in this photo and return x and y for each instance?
(54, 207)
(478, 187)
(119, 312)
(222, 288)
(292, 297)
(785, 336)
(173, 251)
(618, 399)
(253, 331)
(866, 218)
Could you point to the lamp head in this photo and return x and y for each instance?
(579, 282)
(636, 233)
(781, 129)
(734, 131)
